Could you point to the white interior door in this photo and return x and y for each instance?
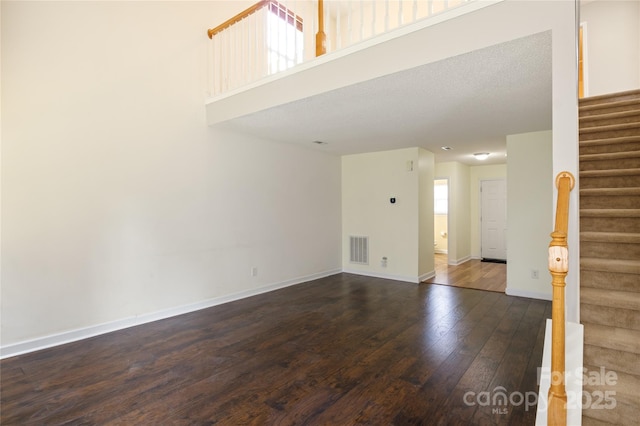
(493, 219)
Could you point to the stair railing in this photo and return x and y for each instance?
(252, 45)
(559, 267)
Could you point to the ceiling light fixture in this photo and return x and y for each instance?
(446, 148)
(481, 155)
(320, 143)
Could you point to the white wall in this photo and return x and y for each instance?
(478, 174)
(117, 200)
(369, 181)
(611, 46)
(529, 213)
(426, 175)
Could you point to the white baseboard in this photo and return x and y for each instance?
(441, 251)
(460, 261)
(414, 280)
(427, 276)
(574, 335)
(528, 294)
(95, 330)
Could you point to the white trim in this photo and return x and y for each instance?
(98, 329)
(585, 60)
(413, 280)
(427, 276)
(527, 294)
(574, 339)
(441, 251)
(459, 261)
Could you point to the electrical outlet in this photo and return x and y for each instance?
(254, 272)
(383, 262)
(535, 274)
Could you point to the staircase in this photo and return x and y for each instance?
(610, 254)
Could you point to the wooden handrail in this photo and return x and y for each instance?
(276, 7)
(559, 267)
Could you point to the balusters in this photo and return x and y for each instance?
(349, 22)
(373, 18)
(294, 8)
(386, 15)
(239, 51)
(338, 26)
(361, 20)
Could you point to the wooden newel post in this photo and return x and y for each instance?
(321, 37)
(559, 267)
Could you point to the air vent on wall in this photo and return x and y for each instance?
(359, 250)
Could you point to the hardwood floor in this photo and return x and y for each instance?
(471, 274)
(340, 350)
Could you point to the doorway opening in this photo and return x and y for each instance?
(441, 216)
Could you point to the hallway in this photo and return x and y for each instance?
(472, 274)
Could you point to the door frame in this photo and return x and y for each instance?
(448, 215)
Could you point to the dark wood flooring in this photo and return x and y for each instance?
(470, 274)
(341, 350)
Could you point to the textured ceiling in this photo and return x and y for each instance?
(468, 102)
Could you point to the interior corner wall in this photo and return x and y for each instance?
(369, 181)
(478, 174)
(426, 173)
(612, 46)
(118, 202)
(459, 249)
(529, 213)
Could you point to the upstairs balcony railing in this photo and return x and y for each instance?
(272, 36)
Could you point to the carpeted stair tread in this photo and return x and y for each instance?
(590, 421)
(609, 280)
(609, 250)
(622, 414)
(611, 237)
(614, 299)
(586, 110)
(619, 361)
(607, 315)
(609, 156)
(619, 339)
(610, 172)
(623, 385)
(617, 213)
(610, 128)
(610, 118)
(610, 141)
(618, 198)
(624, 266)
(601, 192)
(610, 97)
